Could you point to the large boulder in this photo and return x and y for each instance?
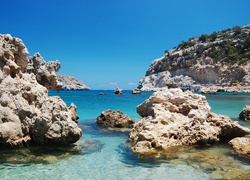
(27, 114)
(174, 118)
(114, 119)
(245, 113)
(241, 145)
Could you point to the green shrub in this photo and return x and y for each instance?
(203, 38)
(237, 30)
(213, 36)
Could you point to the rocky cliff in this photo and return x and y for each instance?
(71, 83)
(219, 58)
(27, 114)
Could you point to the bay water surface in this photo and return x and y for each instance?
(104, 154)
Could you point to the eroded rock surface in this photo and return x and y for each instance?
(44, 71)
(27, 114)
(115, 119)
(173, 118)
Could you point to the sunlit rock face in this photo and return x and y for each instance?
(174, 118)
(27, 114)
(218, 58)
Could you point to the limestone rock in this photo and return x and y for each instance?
(118, 91)
(115, 119)
(245, 113)
(173, 118)
(71, 83)
(241, 145)
(136, 91)
(27, 114)
(203, 61)
(44, 71)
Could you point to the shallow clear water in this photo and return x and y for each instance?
(104, 154)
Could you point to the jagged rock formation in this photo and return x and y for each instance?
(114, 119)
(71, 83)
(174, 118)
(27, 114)
(46, 75)
(219, 58)
(44, 71)
(245, 113)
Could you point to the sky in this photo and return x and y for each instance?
(111, 43)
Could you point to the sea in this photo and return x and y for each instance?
(103, 153)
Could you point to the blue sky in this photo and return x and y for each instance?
(111, 43)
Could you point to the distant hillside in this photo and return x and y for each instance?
(71, 83)
(219, 58)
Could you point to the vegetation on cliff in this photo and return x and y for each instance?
(222, 57)
(229, 45)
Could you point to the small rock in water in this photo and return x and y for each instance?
(245, 113)
(114, 119)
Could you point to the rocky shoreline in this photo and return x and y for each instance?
(208, 89)
(218, 88)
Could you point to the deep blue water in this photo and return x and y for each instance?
(90, 104)
(105, 154)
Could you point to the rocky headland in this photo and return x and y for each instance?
(221, 58)
(71, 83)
(27, 114)
(173, 118)
(46, 75)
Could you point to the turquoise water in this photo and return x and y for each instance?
(104, 154)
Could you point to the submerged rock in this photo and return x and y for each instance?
(174, 118)
(217, 165)
(245, 113)
(115, 119)
(27, 114)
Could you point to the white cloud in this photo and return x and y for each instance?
(131, 84)
(113, 83)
